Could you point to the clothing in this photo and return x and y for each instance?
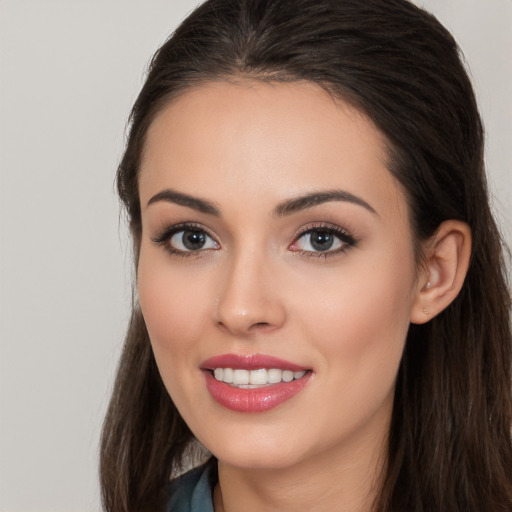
(192, 491)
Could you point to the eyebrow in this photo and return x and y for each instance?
(283, 209)
(309, 200)
(171, 196)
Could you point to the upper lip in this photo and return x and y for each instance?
(250, 362)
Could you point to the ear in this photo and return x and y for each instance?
(446, 262)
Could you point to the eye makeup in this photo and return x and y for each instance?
(317, 240)
(324, 239)
(194, 240)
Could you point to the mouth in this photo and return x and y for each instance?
(254, 383)
(254, 379)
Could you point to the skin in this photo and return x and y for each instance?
(258, 287)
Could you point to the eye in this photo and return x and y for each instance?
(186, 239)
(191, 240)
(323, 239)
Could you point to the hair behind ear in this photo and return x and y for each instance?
(453, 402)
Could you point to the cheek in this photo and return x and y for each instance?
(173, 304)
(360, 329)
(174, 308)
(361, 319)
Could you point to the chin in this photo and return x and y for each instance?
(255, 450)
(258, 459)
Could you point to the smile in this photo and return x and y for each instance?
(253, 383)
(253, 379)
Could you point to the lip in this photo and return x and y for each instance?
(250, 362)
(256, 399)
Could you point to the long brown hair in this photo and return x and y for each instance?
(450, 442)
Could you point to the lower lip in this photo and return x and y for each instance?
(256, 399)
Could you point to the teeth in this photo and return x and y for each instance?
(287, 376)
(255, 378)
(274, 376)
(227, 375)
(240, 377)
(258, 376)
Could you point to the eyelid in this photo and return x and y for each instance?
(344, 235)
(164, 236)
(166, 232)
(347, 239)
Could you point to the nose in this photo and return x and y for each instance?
(250, 300)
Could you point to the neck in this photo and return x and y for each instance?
(341, 479)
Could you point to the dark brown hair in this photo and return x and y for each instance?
(450, 442)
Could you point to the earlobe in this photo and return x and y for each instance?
(446, 261)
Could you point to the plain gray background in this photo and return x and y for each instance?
(69, 72)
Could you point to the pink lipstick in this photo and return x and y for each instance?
(253, 383)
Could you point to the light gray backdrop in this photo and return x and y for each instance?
(69, 72)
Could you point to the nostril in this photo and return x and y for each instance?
(259, 325)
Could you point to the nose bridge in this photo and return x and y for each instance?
(249, 299)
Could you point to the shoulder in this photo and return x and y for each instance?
(191, 492)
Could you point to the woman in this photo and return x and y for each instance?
(321, 293)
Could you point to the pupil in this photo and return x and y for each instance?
(321, 241)
(193, 240)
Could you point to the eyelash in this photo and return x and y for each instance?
(344, 236)
(164, 238)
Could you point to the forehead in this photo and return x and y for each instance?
(265, 140)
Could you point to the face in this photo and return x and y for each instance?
(276, 272)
